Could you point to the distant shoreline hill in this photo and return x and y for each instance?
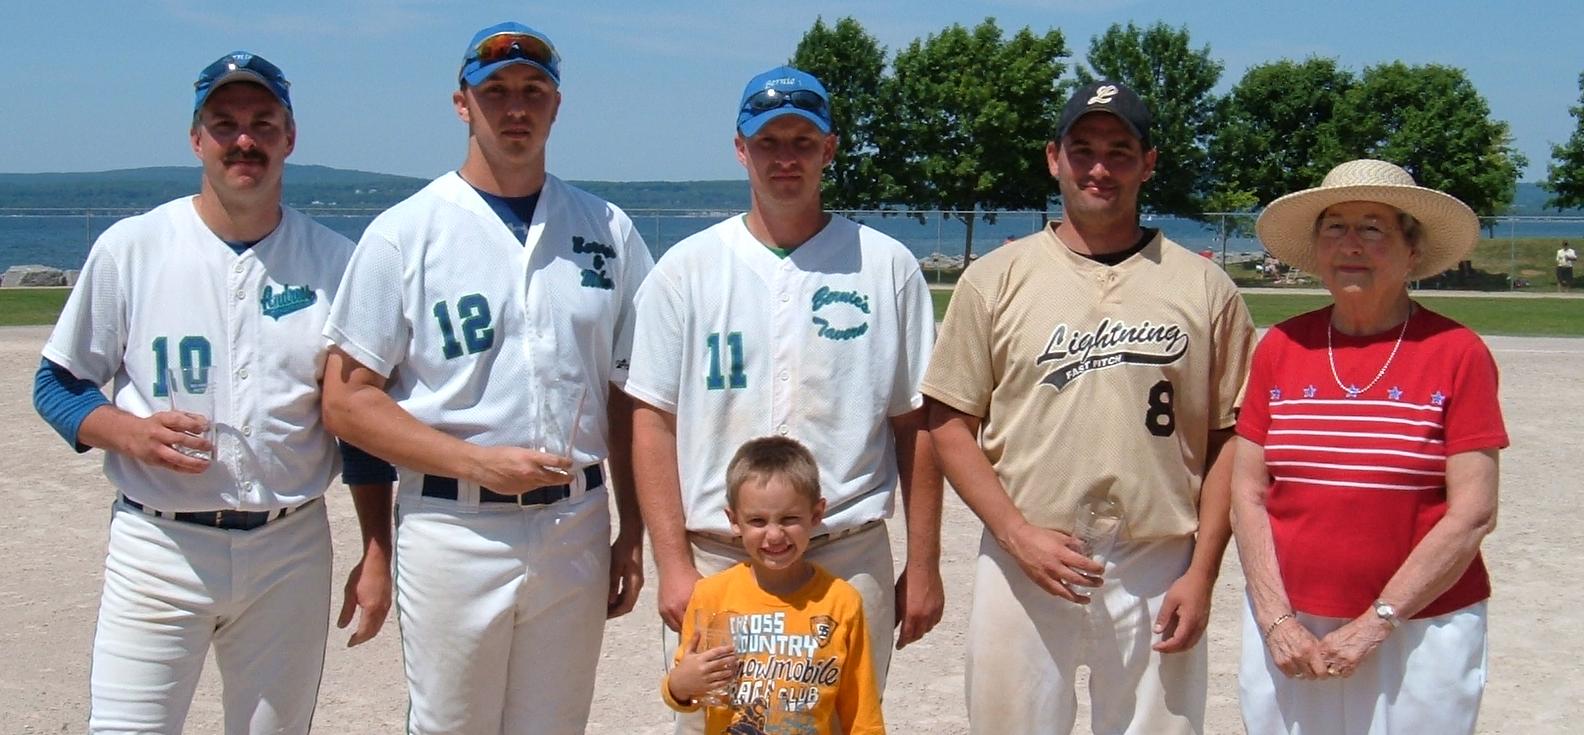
(322, 187)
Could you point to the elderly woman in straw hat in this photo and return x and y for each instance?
(1365, 472)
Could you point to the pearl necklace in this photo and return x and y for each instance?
(1353, 391)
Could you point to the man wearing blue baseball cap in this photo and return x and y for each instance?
(204, 313)
(480, 345)
(789, 320)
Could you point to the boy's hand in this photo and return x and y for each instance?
(700, 671)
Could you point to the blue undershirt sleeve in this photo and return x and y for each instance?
(361, 468)
(63, 400)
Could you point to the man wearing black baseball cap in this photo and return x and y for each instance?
(1115, 362)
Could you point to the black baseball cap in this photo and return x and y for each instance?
(1112, 97)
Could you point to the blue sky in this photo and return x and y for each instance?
(650, 87)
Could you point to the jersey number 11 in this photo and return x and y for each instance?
(738, 378)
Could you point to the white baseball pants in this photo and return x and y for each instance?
(262, 597)
(502, 611)
(862, 558)
(1427, 677)
(1025, 646)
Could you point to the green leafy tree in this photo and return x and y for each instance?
(1232, 211)
(1175, 79)
(849, 62)
(1275, 132)
(967, 116)
(1565, 175)
(1433, 122)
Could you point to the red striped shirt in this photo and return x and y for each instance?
(1357, 482)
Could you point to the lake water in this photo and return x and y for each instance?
(62, 238)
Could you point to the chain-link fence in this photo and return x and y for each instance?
(1517, 252)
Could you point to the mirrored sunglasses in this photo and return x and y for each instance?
(502, 46)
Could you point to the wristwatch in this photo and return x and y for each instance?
(1386, 612)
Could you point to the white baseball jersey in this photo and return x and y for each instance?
(822, 345)
(486, 338)
(161, 298)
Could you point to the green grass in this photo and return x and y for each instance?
(1548, 317)
(1498, 264)
(1538, 317)
(1531, 261)
(1553, 317)
(21, 306)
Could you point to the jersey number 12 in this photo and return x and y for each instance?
(473, 312)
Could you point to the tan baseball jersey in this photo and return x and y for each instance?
(1093, 379)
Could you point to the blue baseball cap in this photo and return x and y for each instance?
(783, 91)
(504, 44)
(241, 66)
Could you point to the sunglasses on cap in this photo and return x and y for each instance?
(242, 62)
(503, 46)
(771, 99)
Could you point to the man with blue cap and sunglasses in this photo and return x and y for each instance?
(480, 344)
(792, 321)
(218, 536)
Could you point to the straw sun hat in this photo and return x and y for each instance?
(1448, 227)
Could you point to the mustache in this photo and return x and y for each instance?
(238, 155)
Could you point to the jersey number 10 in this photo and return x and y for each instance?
(194, 356)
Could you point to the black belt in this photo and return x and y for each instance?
(445, 488)
(230, 520)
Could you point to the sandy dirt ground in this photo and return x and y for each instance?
(56, 511)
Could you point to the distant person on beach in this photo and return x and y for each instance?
(480, 344)
(204, 316)
(1565, 258)
(1272, 267)
(1366, 473)
(1086, 379)
(790, 321)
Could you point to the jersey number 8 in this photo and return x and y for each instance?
(1161, 419)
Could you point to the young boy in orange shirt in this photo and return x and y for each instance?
(801, 662)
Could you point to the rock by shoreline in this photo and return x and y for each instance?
(37, 276)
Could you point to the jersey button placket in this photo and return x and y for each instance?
(234, 404)
(786, 325)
